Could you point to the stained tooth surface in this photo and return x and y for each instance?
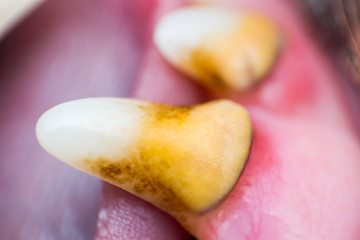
(222, 48)
(11, 11)
(181, 159)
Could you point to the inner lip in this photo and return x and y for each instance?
(120, 213)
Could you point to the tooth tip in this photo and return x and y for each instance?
(87, 128)
(43, 129)
(12, 11)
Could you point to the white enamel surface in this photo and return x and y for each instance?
(12, 11)
(89, 128)
(187, 28)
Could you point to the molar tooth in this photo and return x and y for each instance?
(184, 160)
(220, 47)
(11, 11)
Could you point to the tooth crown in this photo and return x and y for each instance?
(219, 47)
(178, 158)
(90, 128)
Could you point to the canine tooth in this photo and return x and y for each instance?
(181, 159)
(11, 11)
(220, 47)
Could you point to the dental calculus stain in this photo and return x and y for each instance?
(166, 114)
(236, 59)
(139, 179)
(185, 159)
(206, 70)
(143, 171)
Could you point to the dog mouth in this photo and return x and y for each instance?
(303, 159)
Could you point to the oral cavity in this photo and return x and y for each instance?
(220, 47)
(185, 160)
